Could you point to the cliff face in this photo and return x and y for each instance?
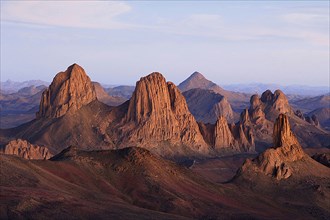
(69, 91)
(24, 149)
(276, 161)
(157, 113)
(235, 138)
(223, 136)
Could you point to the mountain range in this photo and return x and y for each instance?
(301, 90)
(195, 151)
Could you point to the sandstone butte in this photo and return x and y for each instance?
(68, 92)
(158, 114)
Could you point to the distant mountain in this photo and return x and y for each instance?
(104, 97)
(323, 116)
(310, 104)
(19, 107)
(238, 101)
(13, 86)
(198, 81)
(121, 91)
(257, 88)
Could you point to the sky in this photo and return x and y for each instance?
(117, 42)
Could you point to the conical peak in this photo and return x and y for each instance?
(282, 134)
(197, 75)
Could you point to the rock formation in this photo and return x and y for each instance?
(256, 110)
(158, 113)
(265, 109)
(207, 106)
(223, 136)
(276, 161)
(268, 106)
(24, 149)
(69, 91)
(235, 138)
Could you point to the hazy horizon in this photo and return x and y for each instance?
(285, 43)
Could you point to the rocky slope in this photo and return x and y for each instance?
(60, 187)
(323, 117)
(311, 103)
(24, 149)
(69, 91)
(77, 184)
(207, 106)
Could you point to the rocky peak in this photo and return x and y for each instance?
(223, 136)
(151, 98)
(157, 113)
(256, 110)
(282, 134)
(267, 96)
(68, 92)
(232, 138)
(281, 103)
(277, 101)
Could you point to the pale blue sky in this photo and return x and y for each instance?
(118, 42)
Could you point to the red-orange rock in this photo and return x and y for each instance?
(276, 160)
(69, 91)
(24, 149)
(158, 114)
